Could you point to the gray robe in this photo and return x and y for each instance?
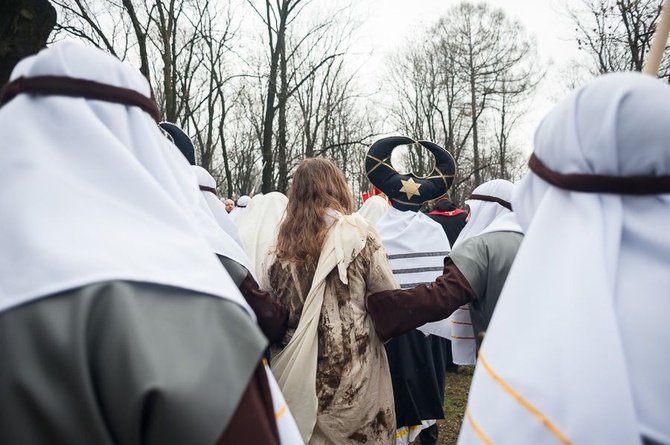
(485, 261)
(124, 363)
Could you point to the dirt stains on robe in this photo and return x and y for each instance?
(355, 398)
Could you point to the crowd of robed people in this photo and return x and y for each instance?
(133, 310)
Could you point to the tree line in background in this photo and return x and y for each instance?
(261, 84)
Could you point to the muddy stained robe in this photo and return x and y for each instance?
(353, 384)
(132, 363)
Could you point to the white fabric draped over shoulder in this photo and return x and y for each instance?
(413, 233)
(258, 227)
(590, 284)
(92, 191)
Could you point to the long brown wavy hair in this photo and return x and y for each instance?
(318, 184)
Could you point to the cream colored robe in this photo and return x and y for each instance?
(353, 384)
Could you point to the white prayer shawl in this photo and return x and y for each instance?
(289, 434)
(95, 192)
(416, 247)
(258, 227)
(216, 206)
(295, 366)
(592, 277)
(374, 208)
(485, 217)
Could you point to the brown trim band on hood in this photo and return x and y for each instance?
(620, 185)
(88, 89)
(488, 198)
(204, 188)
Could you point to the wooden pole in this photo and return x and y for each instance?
(658, 43)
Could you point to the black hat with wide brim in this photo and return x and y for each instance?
(408, 192)
(181, 140)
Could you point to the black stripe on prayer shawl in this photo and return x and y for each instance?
(418, 269)
(416, 255)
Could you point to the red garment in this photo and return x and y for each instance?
(452, 213)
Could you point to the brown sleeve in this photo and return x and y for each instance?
(395, 312)
(272, 316)
(254, 419)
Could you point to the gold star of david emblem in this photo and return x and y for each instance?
(410, 188)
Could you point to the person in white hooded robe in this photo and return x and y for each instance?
(590, 282)
(240, 207)
(124, 326)
(206, 181)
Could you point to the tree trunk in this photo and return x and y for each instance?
(166, 27)
(224, 152)
(268, 119)
(282, 180)
(475, 142)
(503, 138)
(141, 41)
(25, 26)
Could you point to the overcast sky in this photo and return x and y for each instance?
(390, 23)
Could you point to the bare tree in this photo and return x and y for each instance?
(187, 42)
(290, 44)
(490, 51)
(111, 25)
(616, 34)
(465, 84)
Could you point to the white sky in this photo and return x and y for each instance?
(390, 23)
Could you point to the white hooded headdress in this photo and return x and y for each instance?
(92, 191)
(586, 302)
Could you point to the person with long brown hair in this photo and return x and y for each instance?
(331, 365)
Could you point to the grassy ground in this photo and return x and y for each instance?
(458, 384)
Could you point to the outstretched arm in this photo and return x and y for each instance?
(395, 312)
